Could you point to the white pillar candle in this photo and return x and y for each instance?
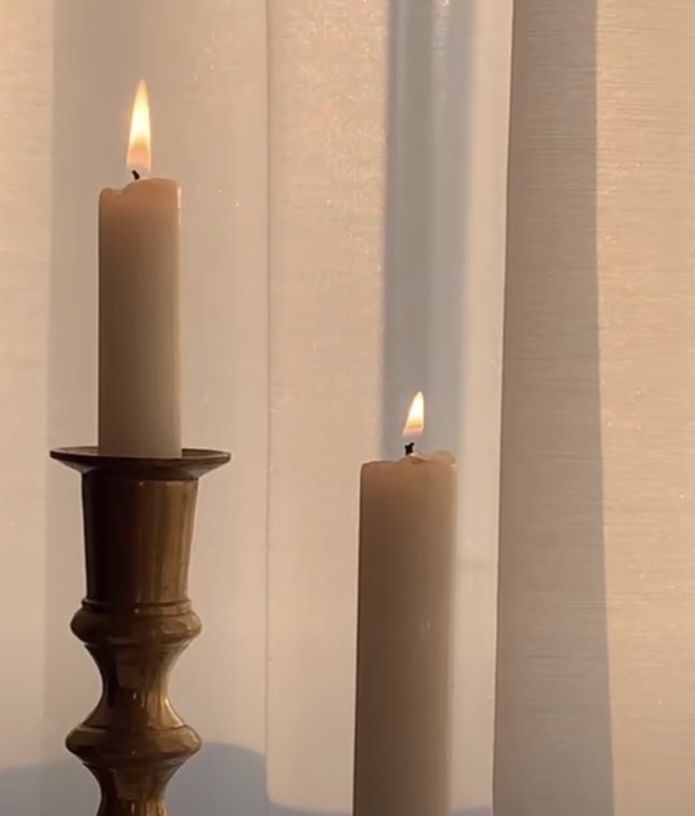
(406, 566)
(139, 401)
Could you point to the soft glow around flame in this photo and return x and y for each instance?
(415, 424)
(139, 151)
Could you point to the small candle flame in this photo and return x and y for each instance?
(139, 156)
(415, 423)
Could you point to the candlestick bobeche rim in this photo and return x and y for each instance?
(192, 463)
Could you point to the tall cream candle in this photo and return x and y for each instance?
(139, 400)
(406, 565)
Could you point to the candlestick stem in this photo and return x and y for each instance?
(136, 619)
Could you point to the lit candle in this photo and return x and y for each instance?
(406, 565)
(139, 403)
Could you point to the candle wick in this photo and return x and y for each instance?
(136, 175)
(409, 448)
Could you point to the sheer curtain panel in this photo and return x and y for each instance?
(358, 178)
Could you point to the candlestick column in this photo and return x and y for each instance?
(136, 619)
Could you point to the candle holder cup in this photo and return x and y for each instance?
(136, 619)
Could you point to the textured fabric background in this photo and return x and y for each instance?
(595, 683)
(25, 238)
(344, 166)
(338, 256)
(388, 142)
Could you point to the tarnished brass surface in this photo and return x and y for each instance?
(136, 619)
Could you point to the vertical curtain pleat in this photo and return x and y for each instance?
(470, 213)
(595, 674)
(25, 113)
(553, 692)
(646, 253)
(327, 103)
(388, 144)
(443, 303)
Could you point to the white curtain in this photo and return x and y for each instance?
(346, 204)
(596, 674)
(386, 277)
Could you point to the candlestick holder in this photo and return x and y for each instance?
(136, 619)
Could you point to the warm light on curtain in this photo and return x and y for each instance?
(355, 182)
(596, 675)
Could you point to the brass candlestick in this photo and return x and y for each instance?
(136, 619)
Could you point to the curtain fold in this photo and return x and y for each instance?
(327, 81)
(388, 141)
(595, 703)
(25, 239)
(304, 138)
(347, 222)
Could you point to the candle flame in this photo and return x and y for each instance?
(415, 423)
(139, 155)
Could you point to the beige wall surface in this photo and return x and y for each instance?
(597, 622)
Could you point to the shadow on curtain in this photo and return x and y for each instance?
(442, 308)
(426, 150)
(553, 731)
